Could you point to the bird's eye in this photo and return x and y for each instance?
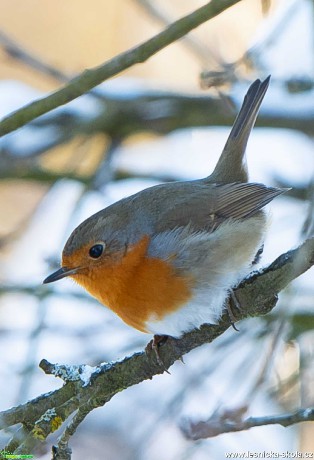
(96, 251)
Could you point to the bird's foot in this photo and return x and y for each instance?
(154, 346)
(233, 305)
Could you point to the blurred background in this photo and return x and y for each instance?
(166, 119)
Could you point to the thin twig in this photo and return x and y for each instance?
(221, 424)
(63, 451)
(197, 47)
(271, 353)
(15, 51)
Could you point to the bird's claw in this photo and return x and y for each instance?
(154, 346)
(235, 305)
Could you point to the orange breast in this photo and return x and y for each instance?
(137, 288)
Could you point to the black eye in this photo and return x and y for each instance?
(96, 251)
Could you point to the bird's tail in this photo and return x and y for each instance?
(231, 166)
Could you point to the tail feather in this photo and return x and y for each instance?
(231, 166)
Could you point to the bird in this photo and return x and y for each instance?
(166, 259)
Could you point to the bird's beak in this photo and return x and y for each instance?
(59, 274)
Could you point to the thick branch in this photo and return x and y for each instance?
(87, 388)
(220, 424)
(118, 117)
(93, 77)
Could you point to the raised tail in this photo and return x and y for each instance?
(231, 166)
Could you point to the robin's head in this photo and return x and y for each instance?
(101, 255)
(89, 248)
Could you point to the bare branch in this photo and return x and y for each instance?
(93, 77)
(15, 51)
(197, 47)
(228, 422)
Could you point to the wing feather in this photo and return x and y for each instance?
(206, 207)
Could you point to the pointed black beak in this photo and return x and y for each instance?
(59, 274)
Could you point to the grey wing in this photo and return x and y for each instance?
(207, 207)
(215, 241)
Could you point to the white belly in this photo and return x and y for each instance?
(218, 262)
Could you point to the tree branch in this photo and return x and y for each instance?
(228, 422)
(93, 77)
(118, 117)
(86, 388)
(200, 50)
(16, 51)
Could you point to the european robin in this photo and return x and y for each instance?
(166, 258)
